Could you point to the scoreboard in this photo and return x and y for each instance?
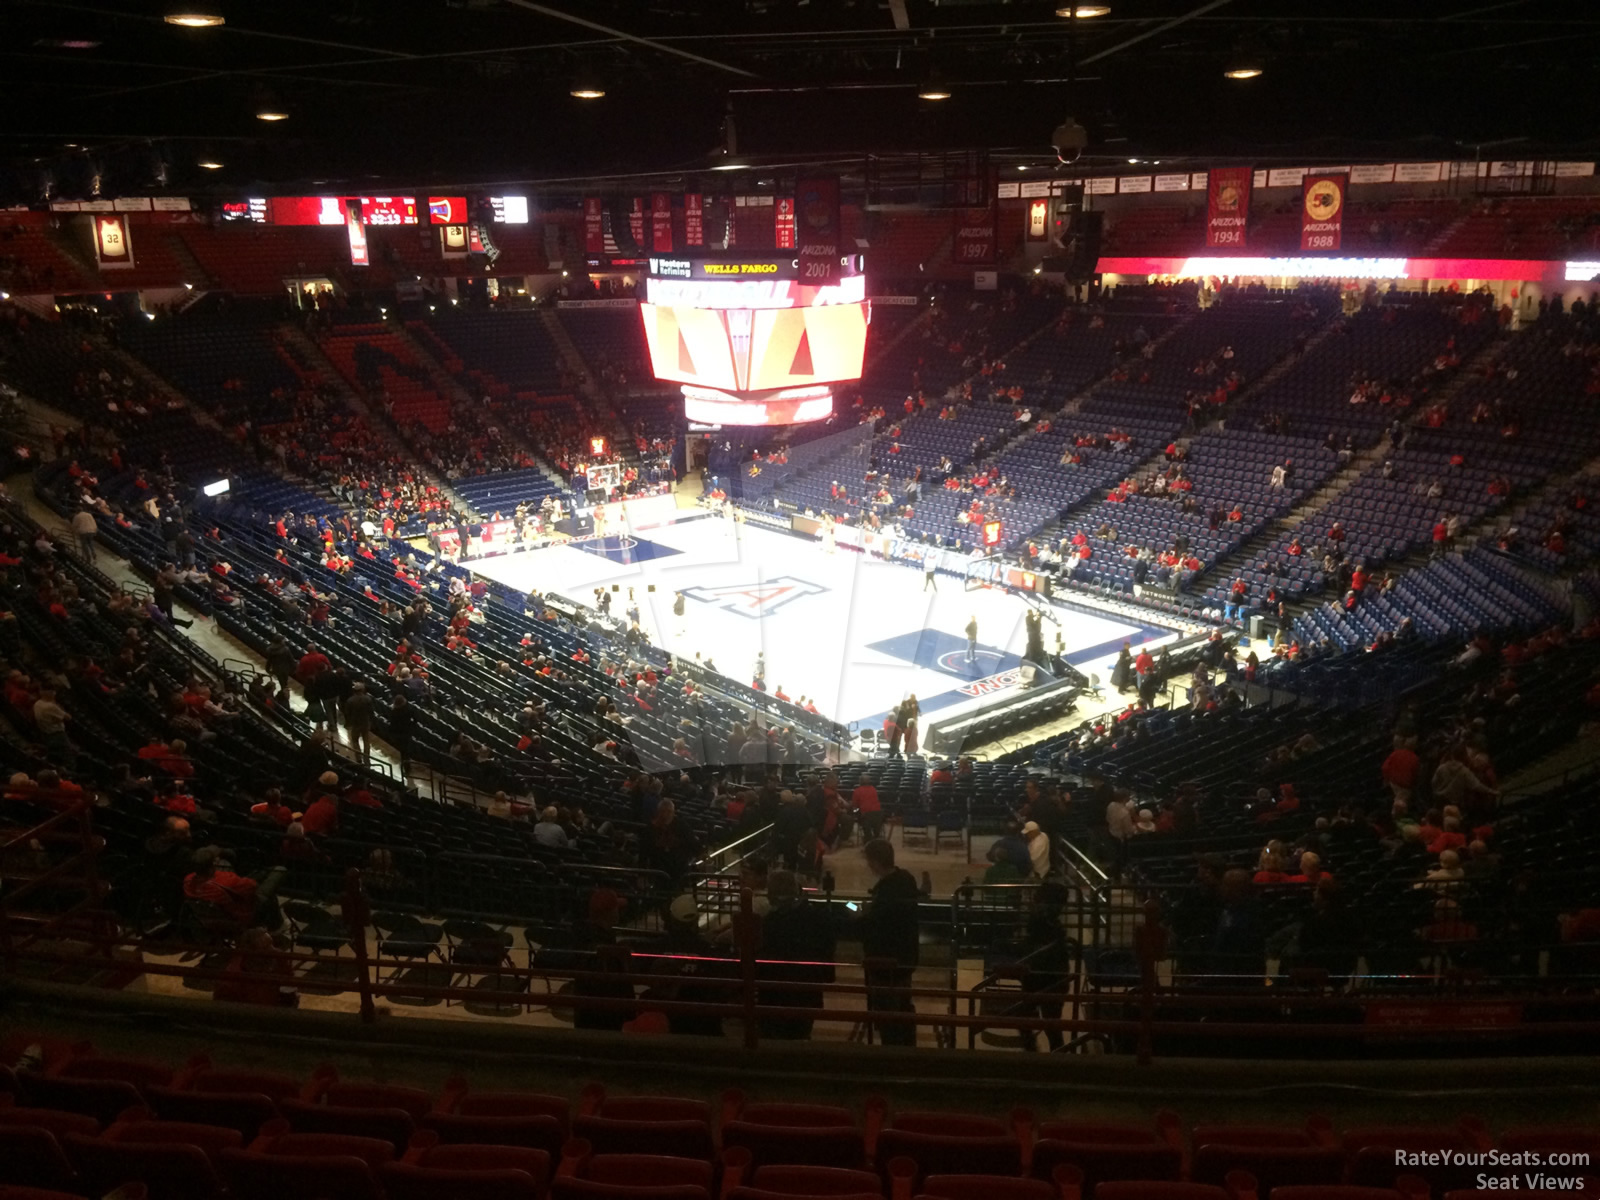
(755, 340)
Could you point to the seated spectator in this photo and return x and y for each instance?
(258, 974)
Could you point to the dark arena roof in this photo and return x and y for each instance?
(741, 599)
(437, 92)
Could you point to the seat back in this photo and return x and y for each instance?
(985, 1187)
(644, 1170)
(392, 1125)
(679, 1139)
(102, 1099)
(941, 1124)
(814, 1181)
(254, 1083)
(1109, 1163)
(415, 1102)
(654, 1108)
(253, 1176)
(566, 1188)
(126, 1070)
(404, 1181)
(514, 1104)
(141, 1130)
(33, 1158)
(936, 1154)
(54, 1120)
(806, 1145)
(245, 1112)
(170, 1171)
(537, 1132)
(792, 1116)
(535, 1164)
(1273, 1166)
(1148, 1189)
(372, 1151)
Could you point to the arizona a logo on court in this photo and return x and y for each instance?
(756, 600)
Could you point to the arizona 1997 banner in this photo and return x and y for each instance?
(1322, 212)
(1227, 205)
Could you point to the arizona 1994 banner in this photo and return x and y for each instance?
(1227, 205)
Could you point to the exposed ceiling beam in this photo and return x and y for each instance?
(1150, 33)
(545, 10)
(897, 10)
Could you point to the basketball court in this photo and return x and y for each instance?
(853, 634)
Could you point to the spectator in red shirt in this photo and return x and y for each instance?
(313, 663)
(1400, 771)
(864, 799)
(322, 817)
(240, 897)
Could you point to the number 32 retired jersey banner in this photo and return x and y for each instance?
(1227, 205)
(1322, 212)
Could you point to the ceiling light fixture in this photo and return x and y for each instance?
(933, 90)
(1243, 67)
(66, 43)
(587, 93)
(1083, 11)
(271, 114)
(191, 19)
(209, 164)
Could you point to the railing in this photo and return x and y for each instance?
(1130, 1012)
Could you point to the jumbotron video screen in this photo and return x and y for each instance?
(750, 340)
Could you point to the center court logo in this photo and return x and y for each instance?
(756, 600)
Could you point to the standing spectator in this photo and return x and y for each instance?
(51, 720)
(1038, 848)
(797, 946)
(890, 941)
(402, 729)
(358, 719)
(84, 527)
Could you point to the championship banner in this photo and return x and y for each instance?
(1038, 220)
(975, 236)
(1227, 205)
(1322, 212)
(594, 232)
(661, 223)
(783, 222)
(636, 221)
(694, 219)
(817, 202)
(358, 238)
(733, 224)
(112, 248)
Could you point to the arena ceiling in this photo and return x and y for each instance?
(478, 91)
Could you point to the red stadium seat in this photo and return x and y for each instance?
(1408, 1188)
(404, 1181)
(1150, 1189)
(138, 1126)
(750, 1193)
(102, 1099)
(949, 1154)
(279, 1140)
(567, 1188)
(986, 1187)
(171, 1171)
(32, 1193)
(802, 1145)
(681, 1139)
(245, 1112)
(1107, 1153)
(134, 1071)
(814, 1181)
(540, 1132)
(393, 1125)
(1371, 1152)
(199, 1075)
(55, 1121)
(33, 1158)
(256, 1176)
(1272, 1166)
(335, 1093)
(641, 1170)
(595, 1102)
